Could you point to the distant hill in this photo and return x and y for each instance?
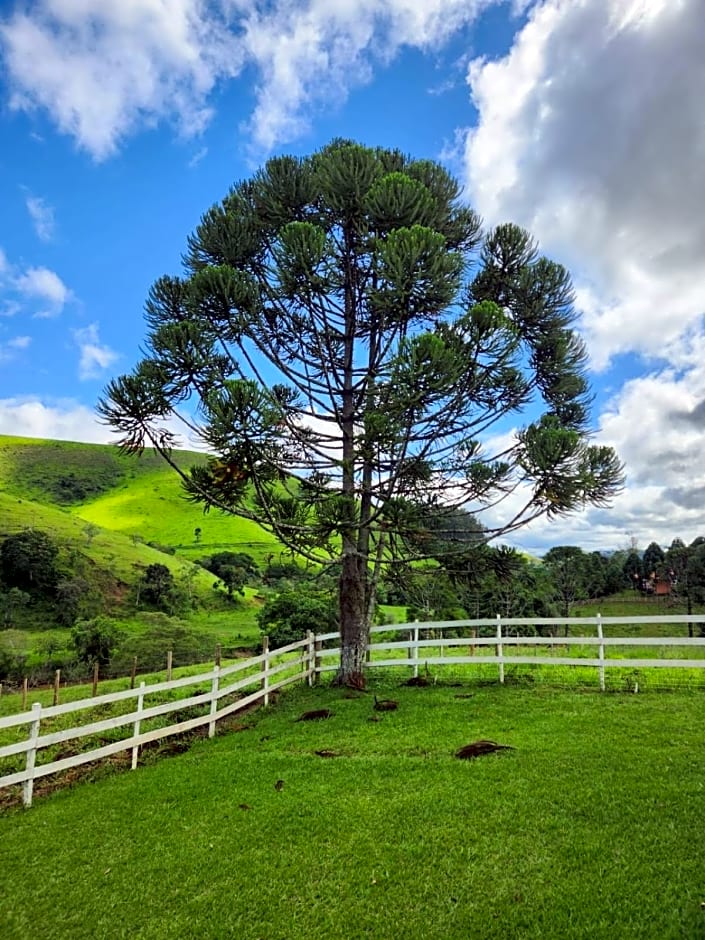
(137, 496)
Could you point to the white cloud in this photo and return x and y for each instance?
(102, 70)
(9, 349)
(197, 157)
(44, 285)
(105, 70)
(42, 216)
(95, 358)
(64, 420)
(591, 134)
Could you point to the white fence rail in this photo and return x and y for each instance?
(285, 665)
(421, 643)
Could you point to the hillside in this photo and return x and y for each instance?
(123, 493)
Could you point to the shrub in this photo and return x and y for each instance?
(288, 616)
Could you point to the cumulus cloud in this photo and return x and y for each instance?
(590, 133)
(63, 420)
(46, 286)
(104, 70)
(42, 216)
(37, 290)
(95, 357)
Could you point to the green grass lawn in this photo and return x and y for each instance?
(592, 827)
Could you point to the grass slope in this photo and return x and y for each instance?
(124, 493)
(590, 828)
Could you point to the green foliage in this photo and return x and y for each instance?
(233, 569)
(164, 634)
(28, 560)
(95, 640)
(343, 275)
(11, 601)
(288, 616)
(76, 598)
(158, 589)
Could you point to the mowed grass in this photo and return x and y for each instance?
(592, 827)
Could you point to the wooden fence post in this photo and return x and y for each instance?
(96, 671)
(218, 653)
(318, 646)
(214, 701)
(500, 649)
(136, 726)
(473, 636)
(264, 682)
(310, 657)
(57, 686)
(601, 654)
(25, 687)
(133, 672)
(28, 786)
(169, 661)
(416, 650)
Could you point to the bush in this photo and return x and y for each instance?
(95, 640)
(288, 616)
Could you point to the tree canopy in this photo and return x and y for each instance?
(349, 344)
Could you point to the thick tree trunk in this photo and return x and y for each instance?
(354, 625)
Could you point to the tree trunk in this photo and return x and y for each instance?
(354, 626)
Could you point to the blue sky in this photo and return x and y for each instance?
(583, 120)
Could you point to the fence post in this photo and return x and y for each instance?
(318, 646)
(218, 653)
(25, 686)
(214, 700)
(264, 682)
(500, 649)
(136, 727)
(96, 672)
(310, 657)
(133, 672)
(169, 662)
(601, 654)
(473, 635)
(57, 686)
(416, 649)
(28, 785)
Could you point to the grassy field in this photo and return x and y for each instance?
(592, 827)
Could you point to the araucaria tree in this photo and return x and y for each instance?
(343, 341)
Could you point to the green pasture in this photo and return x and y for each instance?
(592, 827)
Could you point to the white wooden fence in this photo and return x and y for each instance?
(422, 644)
(505, 647)
(290, 663)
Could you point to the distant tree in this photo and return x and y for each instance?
(633, 570)
(95, 640)
(90, 530)
(197, 533)
(653, 560)
(568, 566)
(288, 616)
(28, 560)
(350, 338)
(73, 600)
(158, 589)
(11, 601)
(233, 569)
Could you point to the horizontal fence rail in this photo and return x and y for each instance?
(224, 690)
(220, 692)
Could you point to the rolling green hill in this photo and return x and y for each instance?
(133, 495)
(102, 507)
